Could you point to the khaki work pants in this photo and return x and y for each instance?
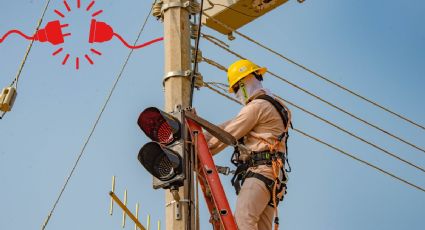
(252, 209)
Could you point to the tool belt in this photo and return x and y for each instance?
(260, 158)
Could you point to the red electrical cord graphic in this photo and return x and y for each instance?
(15, 32)
(137, 46)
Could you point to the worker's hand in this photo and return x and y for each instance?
(207, 136)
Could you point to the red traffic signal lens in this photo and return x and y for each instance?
(159, 126)
(162, 162)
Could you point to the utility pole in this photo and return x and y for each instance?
(177, 67)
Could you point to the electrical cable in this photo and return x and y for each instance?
(221, 85)
(24, 60)
(15, 32)
(95, 124)
(321, 99)
(137, 46)
(335, 148)
(318, 75)
(195, 65)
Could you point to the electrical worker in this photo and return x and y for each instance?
(262, 127)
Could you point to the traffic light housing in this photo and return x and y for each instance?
(166, 164)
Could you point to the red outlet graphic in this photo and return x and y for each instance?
(99, 32)
(102, 32)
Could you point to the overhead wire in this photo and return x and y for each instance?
(95, 123)
(224, 86)
(317, 74)
(195, 65)
(334, 147)
(320, 98)
(27, 52)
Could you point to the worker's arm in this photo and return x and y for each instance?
(239, 126)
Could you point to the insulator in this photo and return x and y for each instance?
(198, 58)
(156, 10)
(199, 80)
(194, 31)
(195, 7)
(7, 98)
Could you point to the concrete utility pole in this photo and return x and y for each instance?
(177, 92)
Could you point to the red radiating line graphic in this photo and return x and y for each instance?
(57, 51)
(77, 63)
(65, 59)
(138, 46)
(89, 59)
(67, 6)
(97, 13)
(59, 13)
(78, 4)
(90, 6)
(95, 52)
(15, 32)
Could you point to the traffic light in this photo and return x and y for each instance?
(164, 163)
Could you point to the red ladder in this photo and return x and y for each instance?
(218, 206)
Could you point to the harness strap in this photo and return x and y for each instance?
(283, 112)
(270, 185)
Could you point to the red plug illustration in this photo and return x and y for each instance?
(102, 32)
(52, 33)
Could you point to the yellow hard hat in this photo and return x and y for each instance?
(240, 69)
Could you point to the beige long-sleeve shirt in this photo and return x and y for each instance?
(257, 119)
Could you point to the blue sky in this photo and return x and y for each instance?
(376, 48)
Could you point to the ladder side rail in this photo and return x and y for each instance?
(214, 219)
(212, 178)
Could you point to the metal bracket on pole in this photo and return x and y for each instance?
(178, 73)
(169, 5)
(178, 208)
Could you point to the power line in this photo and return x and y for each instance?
(95, 124)
(336, 148)
(221, 85)
(319, 75)
(360, 160)
(195, 65)
(27, 52)
(319, 98)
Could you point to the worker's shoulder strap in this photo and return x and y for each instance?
(279, 107)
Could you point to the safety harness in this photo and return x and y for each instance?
(271, 157)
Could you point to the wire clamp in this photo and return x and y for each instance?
(178, 73)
